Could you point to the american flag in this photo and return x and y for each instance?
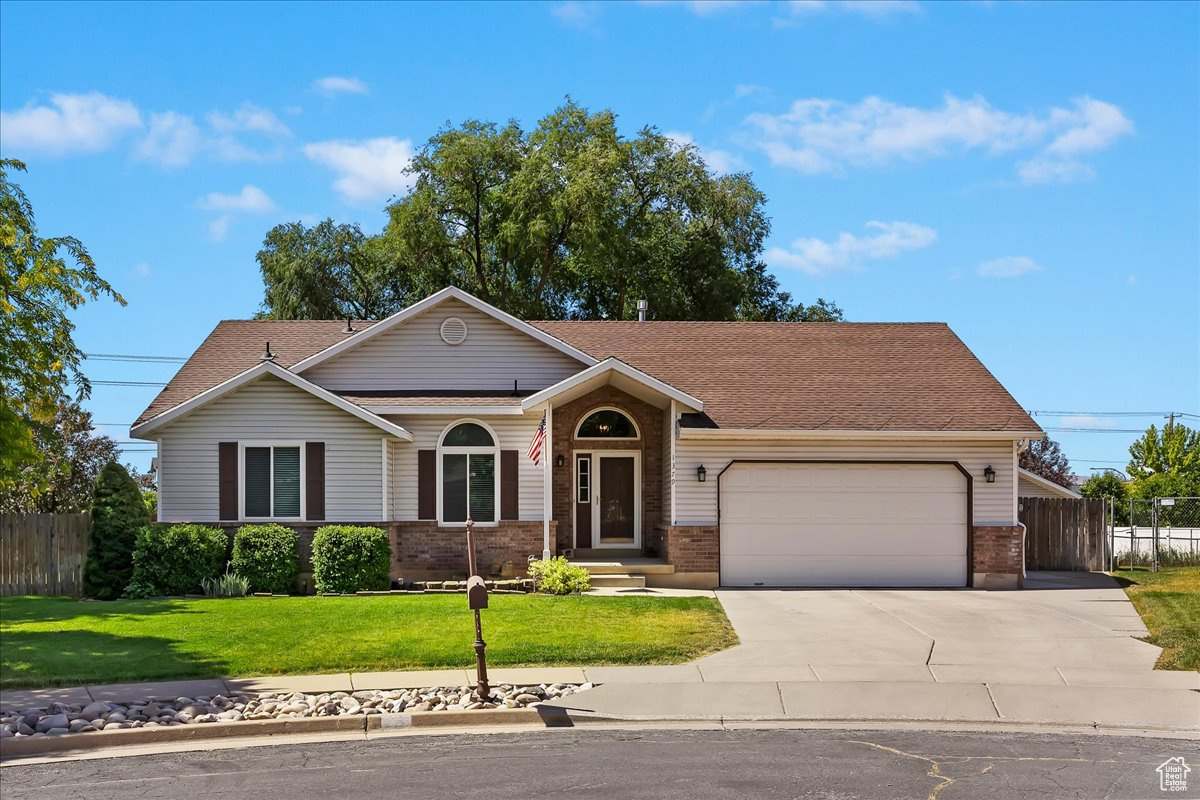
(535, 446)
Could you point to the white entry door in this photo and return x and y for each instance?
(843, 525)
(616, 499)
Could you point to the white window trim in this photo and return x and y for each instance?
(242, 445)
(493, 451)
(637, 437)
(597, 456)
(583, 458)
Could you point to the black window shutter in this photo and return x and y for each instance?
(314, 480)
(227, 480)
(426, 484)
(508, 484)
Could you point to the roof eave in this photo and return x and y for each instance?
(850, 433)
(613, 364)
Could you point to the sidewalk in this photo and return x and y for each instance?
(1091, 698)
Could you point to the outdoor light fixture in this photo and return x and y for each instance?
(558, 460)
(989, 474)
(700, 473)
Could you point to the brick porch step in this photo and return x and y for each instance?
(615, 580)
(608, 563)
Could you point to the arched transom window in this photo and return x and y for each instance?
(607, 423)
(468, 479)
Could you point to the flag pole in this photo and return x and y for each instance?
(547, 484)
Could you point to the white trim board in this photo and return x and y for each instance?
(449, 293)
(1038, 480)
(618, 366)
(254, 373)
(446, 411)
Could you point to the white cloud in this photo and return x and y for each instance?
(720, 162)
(576, 13)
(248, 118)
(172, 141)
(1131, 280)
(823, 136)
(1088, 421)
(72, 123)
(370, 170)
(141, 269)
(335, 84)
(251, 200)
(1008, 267)
(705, 8)
(848, 252)
(219, 227)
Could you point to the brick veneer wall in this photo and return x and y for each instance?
(650, 423)
(996, 556)
(425, 549)
(691, 548)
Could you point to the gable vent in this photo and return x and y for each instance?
(453, 330)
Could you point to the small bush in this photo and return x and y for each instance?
(118, 513)
(228, 585)
(351, 559)
(176, 559)
(150, 496)
(559, 576)
(268, 556)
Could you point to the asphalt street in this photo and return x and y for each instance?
(661, 764)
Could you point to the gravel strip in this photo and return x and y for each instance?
(60, 718)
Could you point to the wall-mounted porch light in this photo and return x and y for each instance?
(700, 473)
(559, 460)
(989, 474)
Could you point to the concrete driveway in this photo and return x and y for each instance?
(1064, 628)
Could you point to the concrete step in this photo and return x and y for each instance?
(605, 553)
(611, 580)
(626, 566)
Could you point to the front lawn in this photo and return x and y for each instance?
(1169, 602)
(47, 641)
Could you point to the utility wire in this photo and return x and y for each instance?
(131, 357)
(1112, 414)
(1096, 430)
(128, 383)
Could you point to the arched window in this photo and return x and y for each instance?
(468, 478)
(607, 423)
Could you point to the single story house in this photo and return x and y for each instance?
(724, 453)
(1030, 484)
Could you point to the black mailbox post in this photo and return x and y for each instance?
(477, 599)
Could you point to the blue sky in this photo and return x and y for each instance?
(1027, 172)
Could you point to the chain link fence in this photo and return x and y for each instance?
(1163, 532)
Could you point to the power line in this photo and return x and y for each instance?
(1096, 430)
(1111, 414)
(159, 384)
(131, 357)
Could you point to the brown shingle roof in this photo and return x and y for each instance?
(236, 345)
(812, 376)
(815, 376)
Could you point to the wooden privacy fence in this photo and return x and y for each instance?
(1065, 534)
(43, 553)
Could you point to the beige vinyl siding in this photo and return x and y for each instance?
(696, 503)
(514, 433)
(412, 356)
(270, 410)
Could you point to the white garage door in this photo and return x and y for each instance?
(843, 525)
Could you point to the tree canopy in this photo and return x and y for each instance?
(1045, 457)
(43, 279)
(570, 220)
(1175, 450)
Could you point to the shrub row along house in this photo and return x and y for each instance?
(742, 454)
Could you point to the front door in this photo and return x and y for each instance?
(616, 518)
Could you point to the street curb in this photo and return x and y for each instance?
(13, 747)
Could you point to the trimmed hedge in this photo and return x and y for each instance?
(176, 559)
(346, 558)
(268, 556)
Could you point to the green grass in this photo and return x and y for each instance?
(1169, 602)
(51, 641)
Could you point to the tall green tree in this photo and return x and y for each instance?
(118, 513)
(1175, 450)
(568, 220)
(1108, 485)
(70, 454)
(42, 280)
(1045, 457)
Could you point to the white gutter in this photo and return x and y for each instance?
(718, 434)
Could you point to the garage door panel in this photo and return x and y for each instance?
(843, 524)
(781, 539)
(870, 571)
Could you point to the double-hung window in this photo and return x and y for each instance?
(272, 486)
(469, 479)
